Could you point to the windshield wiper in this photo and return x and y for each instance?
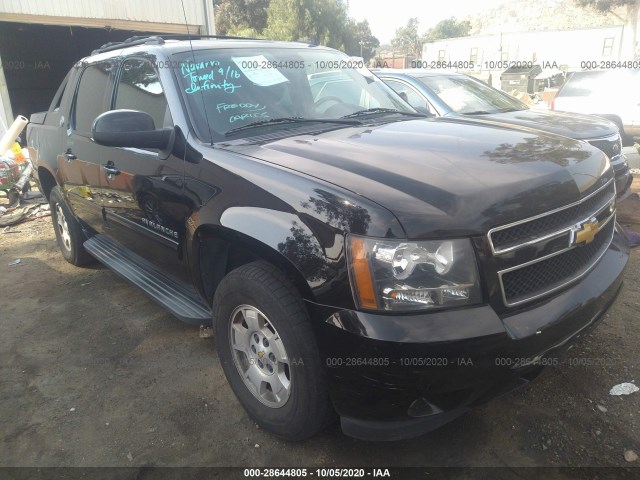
(486, 112)
(383, 110)
(285, 120)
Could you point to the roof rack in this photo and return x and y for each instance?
(159, 40)
(129, 42)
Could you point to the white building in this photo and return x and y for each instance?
(564, 49)
(40, 40)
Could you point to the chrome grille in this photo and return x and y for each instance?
(539, 255)
(611, 146)
(511, 236)
(552, 273)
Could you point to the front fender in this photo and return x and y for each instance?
(314, 249)
(295, 221)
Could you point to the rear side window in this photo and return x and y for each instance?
(139, 88)
(90, 99)
(57, 99)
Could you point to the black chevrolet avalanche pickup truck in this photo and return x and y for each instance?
(355, 258)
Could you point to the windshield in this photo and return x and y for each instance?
(467, 95)
(226, 89)
(612, 83)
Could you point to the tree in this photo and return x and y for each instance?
(323, 22)
(407, 39)
(360, 42)
(241, 17)
(632, 9)
(448, 28)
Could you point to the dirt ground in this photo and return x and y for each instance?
(93, 373)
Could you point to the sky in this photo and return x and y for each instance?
(385, 16)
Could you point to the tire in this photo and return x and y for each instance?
(255, 303)
(69, 234)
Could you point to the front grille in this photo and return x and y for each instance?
(507, 237)
(554, 272)
(611, 146)
(539, 255)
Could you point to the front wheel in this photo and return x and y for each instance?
(268, 352)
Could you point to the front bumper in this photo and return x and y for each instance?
(399, 376)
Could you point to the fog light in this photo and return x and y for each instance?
(428, 296)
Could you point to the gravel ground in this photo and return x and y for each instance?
(93, 373)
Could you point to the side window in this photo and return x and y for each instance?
(408, 94)
(607, 47)
(473, 56)
(90, 100)
(57, 99)
(139, 88)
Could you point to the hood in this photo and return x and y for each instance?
(445, 176)
(573, 125)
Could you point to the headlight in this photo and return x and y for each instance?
(392, 275)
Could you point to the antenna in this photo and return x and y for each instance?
(193, 56)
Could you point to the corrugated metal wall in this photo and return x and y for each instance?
(161, 11)
(52, 22)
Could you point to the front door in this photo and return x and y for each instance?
(143, 189)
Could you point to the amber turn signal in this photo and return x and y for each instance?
(362, 274)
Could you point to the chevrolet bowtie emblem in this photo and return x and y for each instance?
(586, 232)
(260, 355)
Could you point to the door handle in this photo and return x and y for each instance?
(70, 156)
(111, 170)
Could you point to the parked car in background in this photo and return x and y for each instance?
(612, 94)
(450, 94)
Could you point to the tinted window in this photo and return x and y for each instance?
(57, 99)
(90, 100)
(139, 88)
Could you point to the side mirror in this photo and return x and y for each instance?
(129, 128)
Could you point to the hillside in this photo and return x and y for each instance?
(527, 15)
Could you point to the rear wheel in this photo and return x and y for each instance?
(268, 352)
(69, 234)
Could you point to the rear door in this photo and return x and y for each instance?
(144, 206)
(79, 163)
